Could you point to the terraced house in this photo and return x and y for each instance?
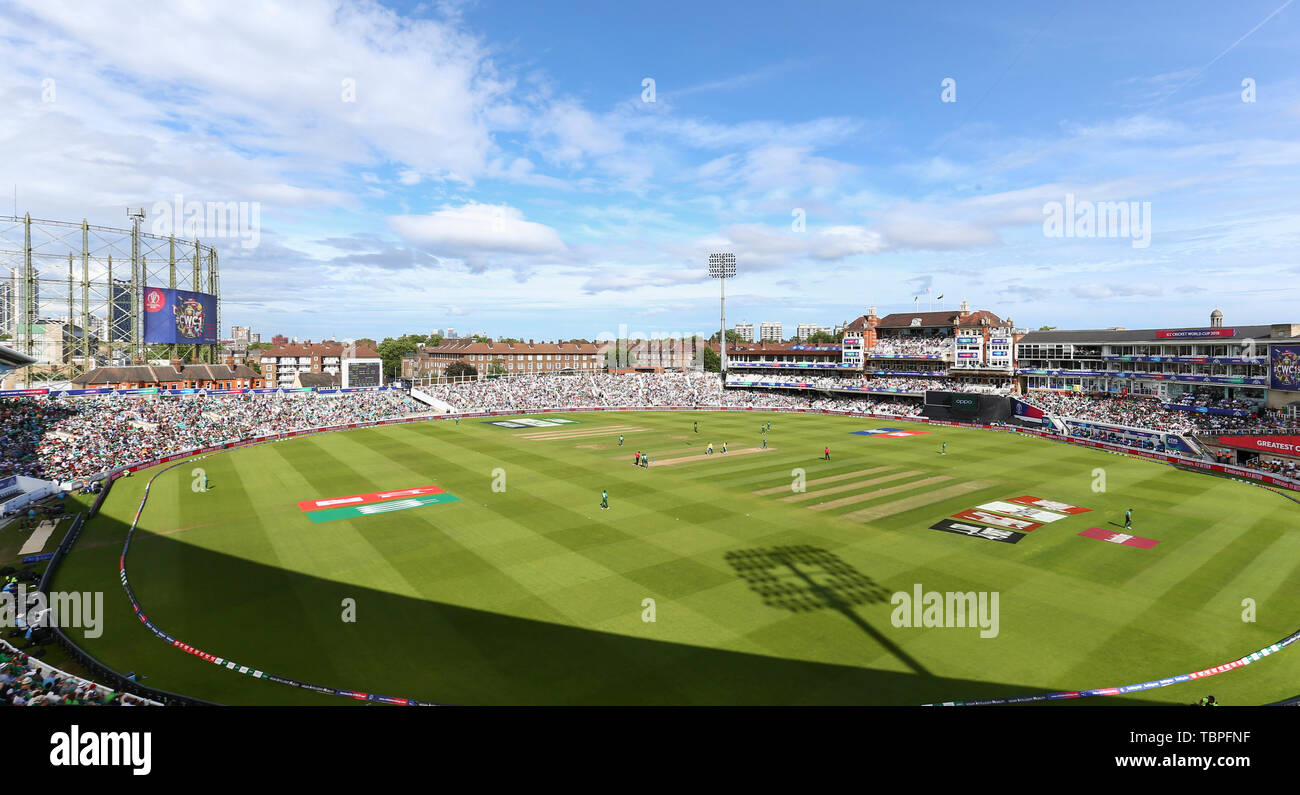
(282, 364)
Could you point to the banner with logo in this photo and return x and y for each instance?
(1282, 445)
(1284, 367)
(1195, 333)
(1022, 409)
(179, 316)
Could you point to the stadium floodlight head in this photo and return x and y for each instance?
(722, 267)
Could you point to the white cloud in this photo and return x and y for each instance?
(473, 230)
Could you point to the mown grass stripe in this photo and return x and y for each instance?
(857, 484)
(853, 499)
(912, 503)
(819, 481)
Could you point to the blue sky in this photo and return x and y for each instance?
(496, 166)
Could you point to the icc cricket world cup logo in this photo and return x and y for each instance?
(1286, 368)
(189, 318)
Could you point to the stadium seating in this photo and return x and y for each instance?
(1147, 413)
(27, 682)
(69, 438)
(534, 393)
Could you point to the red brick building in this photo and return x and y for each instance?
(515, 357)
(282, 363)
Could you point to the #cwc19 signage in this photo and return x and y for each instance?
(1281, 445)
(179, 316)
(1284, 367)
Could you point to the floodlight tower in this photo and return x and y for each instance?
(136, 217)
(723, 267)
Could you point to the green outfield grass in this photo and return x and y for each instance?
(535, 595)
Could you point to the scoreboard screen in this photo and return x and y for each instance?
(968, 404)
(362, 374)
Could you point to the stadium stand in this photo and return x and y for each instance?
(910, 385)
(1146, 412)
(534, 393)
(28, 682)
(71, 438)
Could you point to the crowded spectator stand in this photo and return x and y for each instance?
(27, 682)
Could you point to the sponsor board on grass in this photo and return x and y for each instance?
(997, 520)
(978, 531)
(529, 422)
(892, 433)
(1023, 511)
(353, 511)
(1049, 505)
(366, 499)
(1119, 538)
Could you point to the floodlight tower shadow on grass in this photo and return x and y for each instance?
(722, 267)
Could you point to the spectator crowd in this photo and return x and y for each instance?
(1133, 412)
(911, 384)
(29, 683)
(70, 438)
(536, 393)
(1147, 413)
(1274, 466)
(904, 346)
(74, 438)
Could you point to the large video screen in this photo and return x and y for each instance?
(179, 316)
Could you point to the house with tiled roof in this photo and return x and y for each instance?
(170, 376)
(282, 363)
